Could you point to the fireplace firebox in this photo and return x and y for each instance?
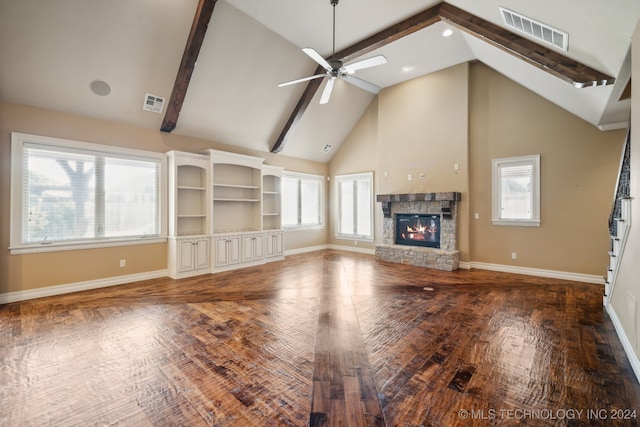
(418, 230)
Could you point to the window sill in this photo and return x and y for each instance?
(67, 246)
(354, 237)
(304, 227)
(516, 223)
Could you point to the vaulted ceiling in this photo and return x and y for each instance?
(52, 51)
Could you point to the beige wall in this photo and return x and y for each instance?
(359, 153)
(578, 165)
(464, 115)
(468, 115)
(417, 127)
(32, 271)
(626, 291)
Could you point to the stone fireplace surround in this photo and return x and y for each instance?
(446, 258)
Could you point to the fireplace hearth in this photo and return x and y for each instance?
(409, 235)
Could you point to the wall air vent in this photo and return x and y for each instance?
(153, 103)
(326, 148)
(535, 29)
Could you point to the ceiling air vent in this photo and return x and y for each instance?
(535, 29)
(153, 103)
(326, 148)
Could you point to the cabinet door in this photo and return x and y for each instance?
(269, 248)
(185, 255)
(274, 244)
(222, 257)
(233, 254)
(247, 248)
(278, 247)
(258, 246)
(201, 256)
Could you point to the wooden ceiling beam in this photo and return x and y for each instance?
(203, 14)
(573, 72)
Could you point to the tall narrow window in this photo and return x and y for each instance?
(516, 191)
(70, 193)
(355, 206)
(302, 200)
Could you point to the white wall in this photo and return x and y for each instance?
(625, 300)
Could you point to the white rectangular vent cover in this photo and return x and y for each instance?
(153, 103)
(327, 148)
(535, 29)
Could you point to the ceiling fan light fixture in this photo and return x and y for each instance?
(335, 68)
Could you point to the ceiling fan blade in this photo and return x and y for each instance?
(292, 82)
(369, 87)
(317, 57)
(326, 93)
(366, 63)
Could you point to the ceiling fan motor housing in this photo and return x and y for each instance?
(333, 2)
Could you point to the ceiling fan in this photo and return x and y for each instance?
(335, 68)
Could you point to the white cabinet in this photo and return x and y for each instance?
(228, 250)
(188, 256)
(224, 212)
(252, 247)
(189, 214)
(193, 254)
(274, 245)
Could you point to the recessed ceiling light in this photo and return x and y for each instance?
(100, 88)
(447, 32)
(407, 68)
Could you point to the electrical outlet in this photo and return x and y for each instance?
(476, 215)
(409, 177)
(514, 255)
(123, 263)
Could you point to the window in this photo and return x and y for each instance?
(302, 200)
(69, 193)
(355, 206)
(516, 191)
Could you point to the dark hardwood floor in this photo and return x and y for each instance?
(326, 338)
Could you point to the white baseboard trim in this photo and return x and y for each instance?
(565, 275)
(626, 344)
(353, 249)
(79, 286)
(305, 250)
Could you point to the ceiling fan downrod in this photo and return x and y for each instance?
(334, 3)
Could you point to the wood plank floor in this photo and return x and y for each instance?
(321, 339)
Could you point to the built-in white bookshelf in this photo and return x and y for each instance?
(271, 198)
(188, 194)
(237, 192)
(224, 212)
(189, 214)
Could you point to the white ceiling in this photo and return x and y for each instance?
(51, 52)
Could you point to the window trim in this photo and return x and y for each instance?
(321, 207)
(17, 247)
(534, 221)
(353, 177)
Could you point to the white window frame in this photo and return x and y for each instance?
(17, 246)
(310, 177)
(353, 178)
(534, 219)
